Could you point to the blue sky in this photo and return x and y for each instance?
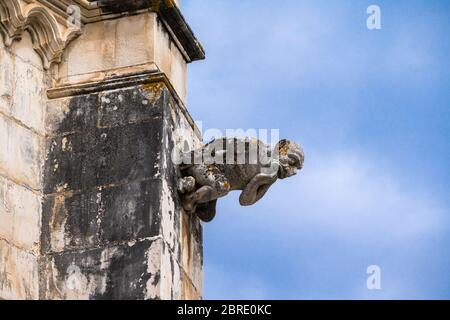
(371, 109)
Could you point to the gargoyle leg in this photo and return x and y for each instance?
(214, 186)
(206, 194)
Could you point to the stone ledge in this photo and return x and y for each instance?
(118, 81)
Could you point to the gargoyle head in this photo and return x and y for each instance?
(291, 158)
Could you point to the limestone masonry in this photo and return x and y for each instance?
(89, 207)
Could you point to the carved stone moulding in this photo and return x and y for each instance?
(49, 31)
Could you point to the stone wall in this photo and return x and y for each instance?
(88, 200)
(123, 45)
(111, 226)
(22, 105)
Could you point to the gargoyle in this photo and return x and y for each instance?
(224, 165)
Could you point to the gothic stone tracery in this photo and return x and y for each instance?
(49, 31)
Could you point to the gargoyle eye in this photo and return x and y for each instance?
(294, 161)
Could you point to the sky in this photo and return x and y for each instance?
(371, 108)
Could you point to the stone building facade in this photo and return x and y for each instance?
(91, 96)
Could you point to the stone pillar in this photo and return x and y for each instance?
(89, 114)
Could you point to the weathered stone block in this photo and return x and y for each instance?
(101, 157)
(107, 215)
(72, 115)
(125, 271)
(6, 79)
(19, 277)
(20, 153)
(192, 253)
(109, 47)
(22, 84)
(20, 217)
(88, 192)
(111, 44)
(171, 286)
(129, 106)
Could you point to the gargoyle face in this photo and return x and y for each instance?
(291, 158)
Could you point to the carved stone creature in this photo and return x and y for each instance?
(224, 165)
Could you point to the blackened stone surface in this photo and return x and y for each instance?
(123, 107)
(110, 190)
(115, 6)
(82, 114)
(106, 215)
(99, 157)
(116, 153)
(115, 272)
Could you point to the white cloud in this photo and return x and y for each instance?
(321, 72)
(352, 195)
(322, 229)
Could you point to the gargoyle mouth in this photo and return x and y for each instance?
(290, 167)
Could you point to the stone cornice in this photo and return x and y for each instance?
(168, 12)
(123, 81)
(50, 31)
(176, 23)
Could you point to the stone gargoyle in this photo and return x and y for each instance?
(228, 164)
